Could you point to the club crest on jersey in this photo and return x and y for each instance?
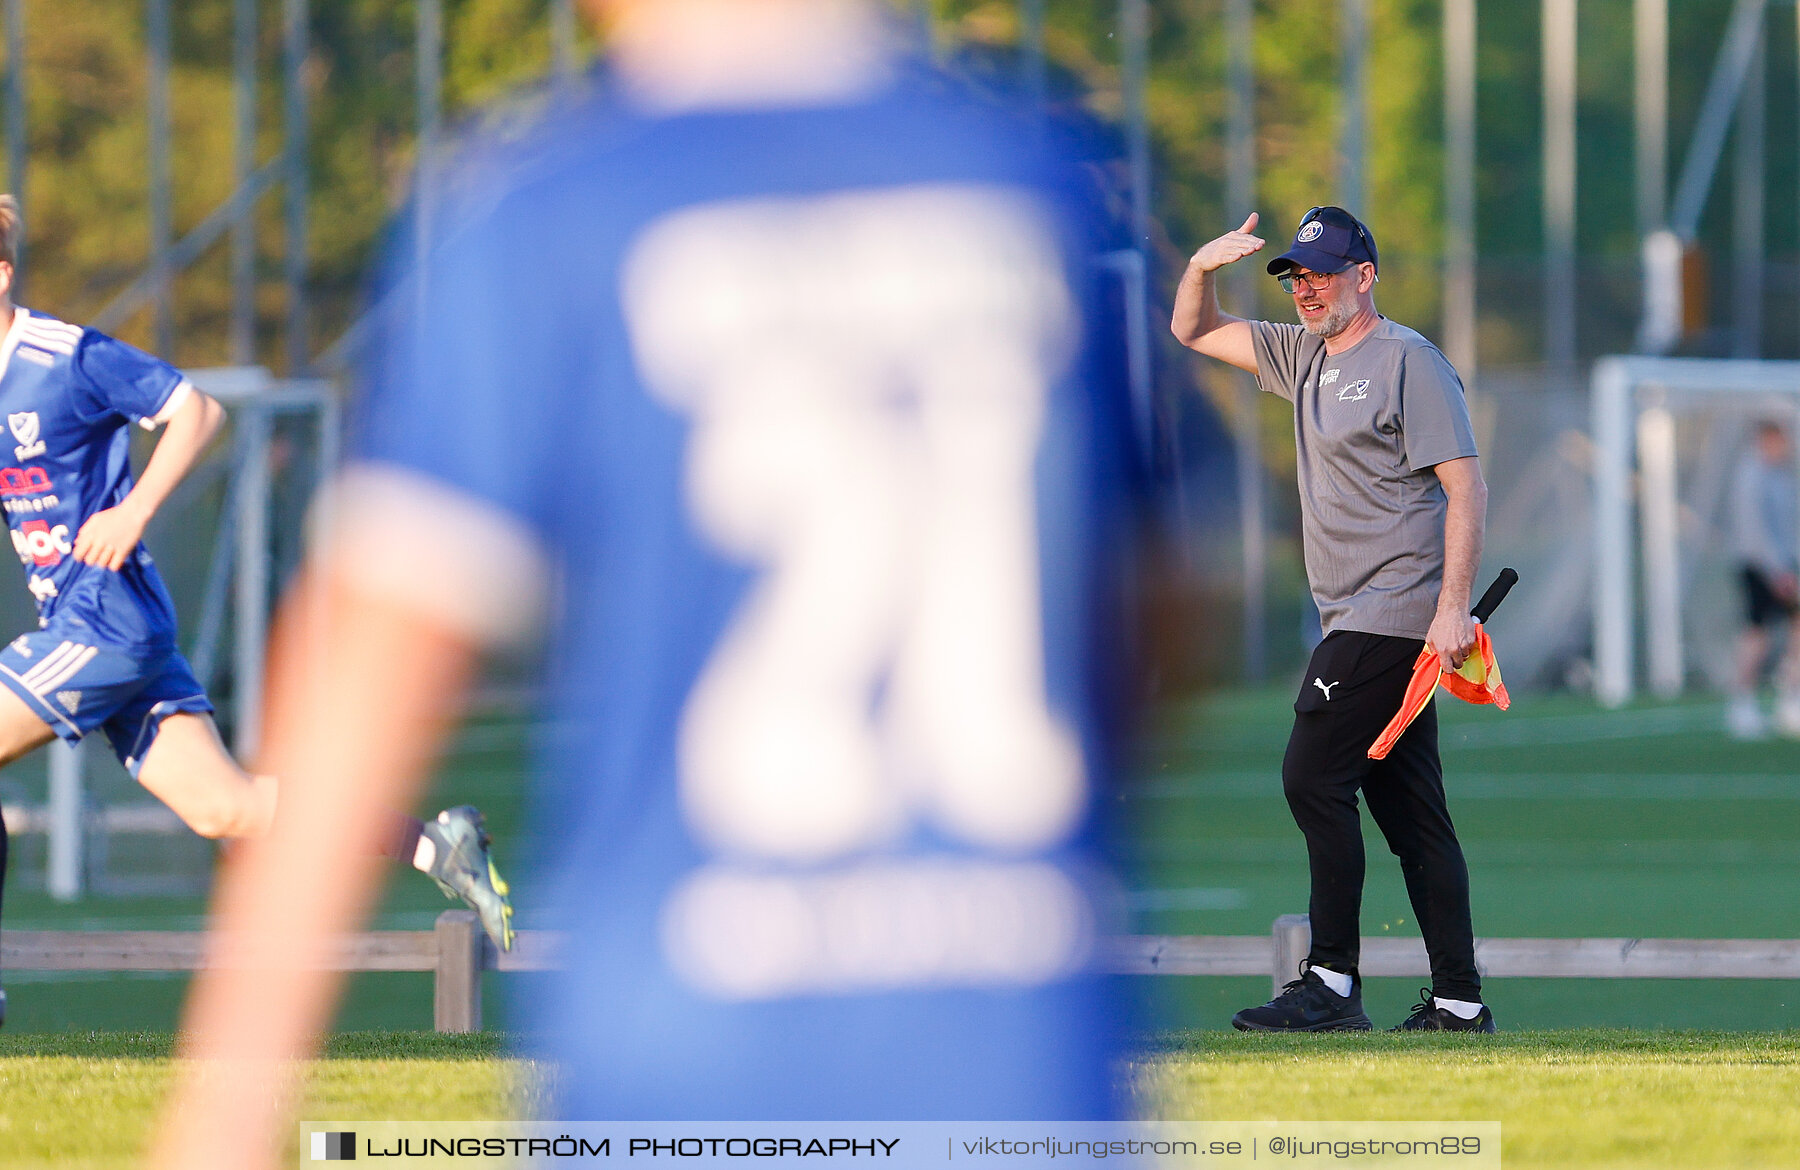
(1355, 391)
(24, 426)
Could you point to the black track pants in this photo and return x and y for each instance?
(1353, 687)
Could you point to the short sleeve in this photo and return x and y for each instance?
(115, 378)
(1434, 411)
(1278, 356)
(462, 372)
(454, 439)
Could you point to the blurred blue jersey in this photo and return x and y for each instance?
(68, 395)
(802, 406)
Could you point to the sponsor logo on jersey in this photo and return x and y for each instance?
(42, 588)
(24, 426)
(1329, 377)
(23, 481)
(31, 483)
(1355, 391)
(38, 543)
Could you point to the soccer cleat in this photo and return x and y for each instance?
(1428, 1017)
(1307, 1005)
(462, 869)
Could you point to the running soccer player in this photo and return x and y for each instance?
(779, 355)
(104, 654)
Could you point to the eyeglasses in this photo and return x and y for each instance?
(1317, 281)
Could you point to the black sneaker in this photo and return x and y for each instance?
(1307, 1005)
(1428, 1017)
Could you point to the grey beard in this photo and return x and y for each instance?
(1336, 319)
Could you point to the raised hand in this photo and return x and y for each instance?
(1228, 248)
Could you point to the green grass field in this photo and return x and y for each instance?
(1577, 823)
(86, 1101)
(1647, 822)
(1564, 1099)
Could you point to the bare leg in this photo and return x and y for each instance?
(1788, 673)
(1752, 650)
(22, 730)
(189, 769)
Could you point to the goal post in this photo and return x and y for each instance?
(1639, 407)
(240, 577)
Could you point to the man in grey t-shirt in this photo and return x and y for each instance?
(1393, 507)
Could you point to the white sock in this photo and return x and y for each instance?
(425, 855)
(1462, 1009)
(1336, 980)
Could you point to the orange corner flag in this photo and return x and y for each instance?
(1476, 681)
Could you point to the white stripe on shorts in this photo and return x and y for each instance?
(43, 683)
(51, 663)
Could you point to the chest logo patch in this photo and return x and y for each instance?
(1355, 391)
(1329, 377)
(24, 426)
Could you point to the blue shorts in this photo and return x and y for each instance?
(76, 686)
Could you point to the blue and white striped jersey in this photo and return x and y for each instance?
(68, 395)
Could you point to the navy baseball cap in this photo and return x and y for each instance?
(1329, 239)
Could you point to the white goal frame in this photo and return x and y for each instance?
(1636, 404)
(240, 583)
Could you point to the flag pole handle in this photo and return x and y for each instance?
(1496, 593)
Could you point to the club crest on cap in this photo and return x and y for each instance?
(1310, 232)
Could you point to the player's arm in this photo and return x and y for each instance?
(109, 537)
(362, 691)
(1198, 322)
(370, 659)
(1452, 633)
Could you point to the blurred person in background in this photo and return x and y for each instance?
(774, 354)
(1763, 542)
